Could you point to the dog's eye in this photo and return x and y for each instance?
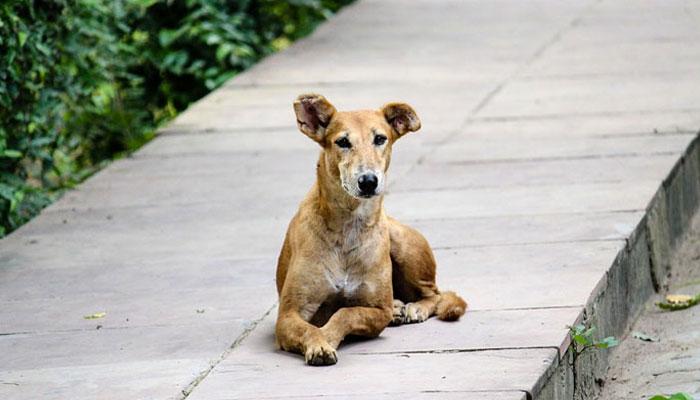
(343, 143)
(379, 140)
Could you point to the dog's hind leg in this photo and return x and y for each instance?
(413, 279)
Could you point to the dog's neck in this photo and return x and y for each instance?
(338, 208)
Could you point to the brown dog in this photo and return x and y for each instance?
(344, 261)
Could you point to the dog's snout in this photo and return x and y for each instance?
(368, 184)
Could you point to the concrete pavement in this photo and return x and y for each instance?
(548, 126)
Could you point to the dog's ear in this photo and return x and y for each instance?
(314, 113)
(401, 117)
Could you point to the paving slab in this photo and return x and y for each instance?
(466, 148)
(525, 276)
(521, 200)
(537, 328)
(162, 379)
(262, 372)
(469, 174)
(548, 126)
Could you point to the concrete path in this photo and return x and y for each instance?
(548, 126)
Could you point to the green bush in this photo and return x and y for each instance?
(84, 81)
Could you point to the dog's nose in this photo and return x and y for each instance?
(368, 184)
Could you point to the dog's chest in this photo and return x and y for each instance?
(357, 253)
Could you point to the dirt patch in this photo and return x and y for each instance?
(668, 360)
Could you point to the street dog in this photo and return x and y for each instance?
(346, 268)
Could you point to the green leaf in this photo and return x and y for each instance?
(11, 154)
(681, 396)
(7, 192)
(213, 38)
(588, 333)
(581, 340)
(22, 38)
(677, 396)
(166, 37)
(607, 342)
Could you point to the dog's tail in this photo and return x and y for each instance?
(450, 306)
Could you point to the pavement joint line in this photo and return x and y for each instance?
(562, 158)
(104, 328)
(535, 243)
(606, 75)
(510, 186)
(184, 393)
(478, 217)
(675, 371)
(525, 186)
(171, 132)
(590, 114)
(575, 306)
(428, 82)
(655, 133)
(454, 351)
(321, 396)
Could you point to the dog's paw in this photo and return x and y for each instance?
(320, 354)
(398, 312)
(414, 313)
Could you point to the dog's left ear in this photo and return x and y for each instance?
(314, 113)
(401, 117)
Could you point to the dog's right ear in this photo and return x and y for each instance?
(314, 113)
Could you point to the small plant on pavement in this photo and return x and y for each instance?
(581, 340)
(677, 396)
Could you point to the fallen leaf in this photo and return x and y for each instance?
(644, 337)
(675, 302)
(678, 298)
(95, 315)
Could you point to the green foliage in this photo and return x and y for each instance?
(677, 396)
(583, 339)
(84, 81)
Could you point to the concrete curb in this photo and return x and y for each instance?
(639, 270)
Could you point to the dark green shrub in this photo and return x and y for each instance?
(84, 81)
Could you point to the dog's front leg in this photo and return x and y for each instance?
(361, 321)
(296, 335)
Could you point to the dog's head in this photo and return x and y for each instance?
(356, 144)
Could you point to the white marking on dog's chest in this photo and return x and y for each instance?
(344, 282)
(353, 255)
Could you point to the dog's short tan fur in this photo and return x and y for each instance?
(345, 266)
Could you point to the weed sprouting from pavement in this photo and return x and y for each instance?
(582, 339)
